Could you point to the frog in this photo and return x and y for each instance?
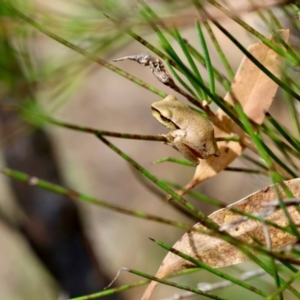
(191, 134)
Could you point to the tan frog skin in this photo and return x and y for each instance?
(191, 134)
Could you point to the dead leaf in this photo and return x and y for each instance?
(255, 91)
(215, 252)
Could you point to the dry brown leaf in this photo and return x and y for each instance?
(255, 92)
(217, 253)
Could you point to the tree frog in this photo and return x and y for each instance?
(191, 134)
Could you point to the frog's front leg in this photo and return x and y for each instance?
(177, 135)
(176, 139)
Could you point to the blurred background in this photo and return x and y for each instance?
(51, 247)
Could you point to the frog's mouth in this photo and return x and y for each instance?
(163, 120)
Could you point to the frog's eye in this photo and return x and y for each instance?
(164, 119)
(168, 123)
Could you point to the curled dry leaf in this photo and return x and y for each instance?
(255, 91)
(215, 252)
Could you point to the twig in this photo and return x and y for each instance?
(116, 277)
(263, 214)
(206, 287)
(161, 73)
(287, 202)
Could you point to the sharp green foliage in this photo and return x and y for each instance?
(192, 50)
(201, 216)
(175, 160)
(219, 50)
(255, 162)
(251, 30)
(34, 181)
(273, 156)
(182, 82)
(191, 62)
(291, 105)
(212, 270)
(194, 78)
(262, 148)
(277, 279)
(217, 74)
(98, 29)
(257, 63)
(127, 287)
(177, 285)
(283, 287)
(278, 141)
(207, 59)
(112, 291)
(198, 196)
(285, 134)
